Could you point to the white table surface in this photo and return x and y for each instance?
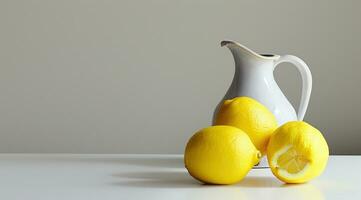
(69, 176)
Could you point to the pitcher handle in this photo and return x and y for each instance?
(306, 81)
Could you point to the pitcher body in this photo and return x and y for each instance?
(254, 78)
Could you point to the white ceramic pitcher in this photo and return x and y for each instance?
(254, 78)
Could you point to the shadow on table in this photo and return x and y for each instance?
(168, 162)
(181, 179)
(261, 182)
(156, 179)
(160, 162)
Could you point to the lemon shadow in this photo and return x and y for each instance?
(157, 161)
(156, 179)
(181, 179)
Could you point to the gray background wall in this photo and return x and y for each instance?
(87, 76)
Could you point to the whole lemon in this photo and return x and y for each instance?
(250, 116)
(297, 152)
(220, 155)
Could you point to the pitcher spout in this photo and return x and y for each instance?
(240, 50)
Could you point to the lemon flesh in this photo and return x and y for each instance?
(249, 115)
(220, 155)
(297, 152)
(292, 162)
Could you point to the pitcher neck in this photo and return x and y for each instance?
(248, 61)
(243, 54)
(249, 67)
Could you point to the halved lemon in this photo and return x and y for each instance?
(297, 152)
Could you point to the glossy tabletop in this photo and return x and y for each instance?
(116, 176)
